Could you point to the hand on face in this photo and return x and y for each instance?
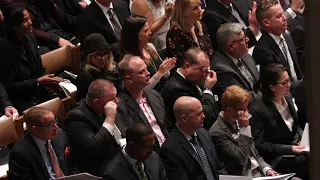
(253, 23)
(243, 118)
(211, 79)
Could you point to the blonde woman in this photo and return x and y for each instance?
(187, 31)
(98, 64)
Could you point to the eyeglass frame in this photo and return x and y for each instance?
(49, 125)
(285, 82)
(240, 40)
(99, 57)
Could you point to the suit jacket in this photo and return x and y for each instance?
(217, 14)
(120, 168)
(235, 153)
(4, 98)
(177, 86)
(271, 135)
(133, 111)
(229, 74)
(20, 67)
(92, 20)
(26, 161)
(181, 160)
(267, 51)
(93, 145)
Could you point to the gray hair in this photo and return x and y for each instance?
(226, 32)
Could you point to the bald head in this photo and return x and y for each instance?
(184, 105)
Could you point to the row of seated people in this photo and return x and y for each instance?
(96, 126)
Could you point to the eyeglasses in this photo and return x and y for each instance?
(241, 40)
(203, 68)
(101, 56)
(50, 125)
(285, 82)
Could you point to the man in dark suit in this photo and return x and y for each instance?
(219, 12)
(141, 104)
(276, 46)
(5, 103)
(231, 135)
(137, 161)
(232, 63)
(92, 128)
(43, 153)
(188, 153)
(195, 79)
(105, 17)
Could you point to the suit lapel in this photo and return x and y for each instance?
(60, 154)
(37, 154)
(147, 169)
(118, 9)
(194, 90)
(154, 106)
(128, 169)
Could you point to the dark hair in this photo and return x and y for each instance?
(137, 131)
(129, 43)
(263, 7)
(97, 88)
(13, 17)
(270, 75)
(35, 115)
(191, 56)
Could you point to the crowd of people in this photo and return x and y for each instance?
(184, 89)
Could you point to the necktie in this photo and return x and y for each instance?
(237, 16)
(245, 72)
(290, 62)
(115, 23)
(141, 171)
(54, 160)
(203, 157)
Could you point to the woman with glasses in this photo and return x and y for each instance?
(135, 41)
(97, 64)
(275, 124)
(187, 30)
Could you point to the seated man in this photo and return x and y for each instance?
(137, 160)
(92, 129)
(43, 153)
(232, 63)
(142, 105)
(194, 78)
(188, 152)
(231, 135)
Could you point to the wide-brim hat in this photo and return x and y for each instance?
(95, 42)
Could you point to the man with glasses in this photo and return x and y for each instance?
(92, 128)
(194, 78)
(43, 153)
(232, 63)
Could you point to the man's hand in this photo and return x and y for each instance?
(253, 23)
(271, 172)
(243, 118)
(48, 79)
(83, 4)
(110, 110)
(10, 111)
(211, 79)
(63, 42)
(296, 5)
(298, 149)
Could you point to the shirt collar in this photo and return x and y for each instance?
(130, 159)
(40, 143)
(281, 106)
(234, 126)
(227, 6)
(178, 71)
(276, 38)
(103, 8)
(186, 135)
(234, 60)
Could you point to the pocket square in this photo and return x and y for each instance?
(66, 151)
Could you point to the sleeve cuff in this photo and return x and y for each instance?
(208, 92)
(109, 127)
(292, 13)
(264, 170)
(87, 1)
(258, 35)
(246, 131)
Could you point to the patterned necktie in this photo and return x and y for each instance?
(290, 62)
(141, 171)
(115, 23)
(203, 157)
(54, 160)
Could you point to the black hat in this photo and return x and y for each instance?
(95, 42)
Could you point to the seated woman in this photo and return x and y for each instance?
(158, 14)
(22, 72)
(187, 31)
(98, 64)
(135, 41)
(274, 122)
